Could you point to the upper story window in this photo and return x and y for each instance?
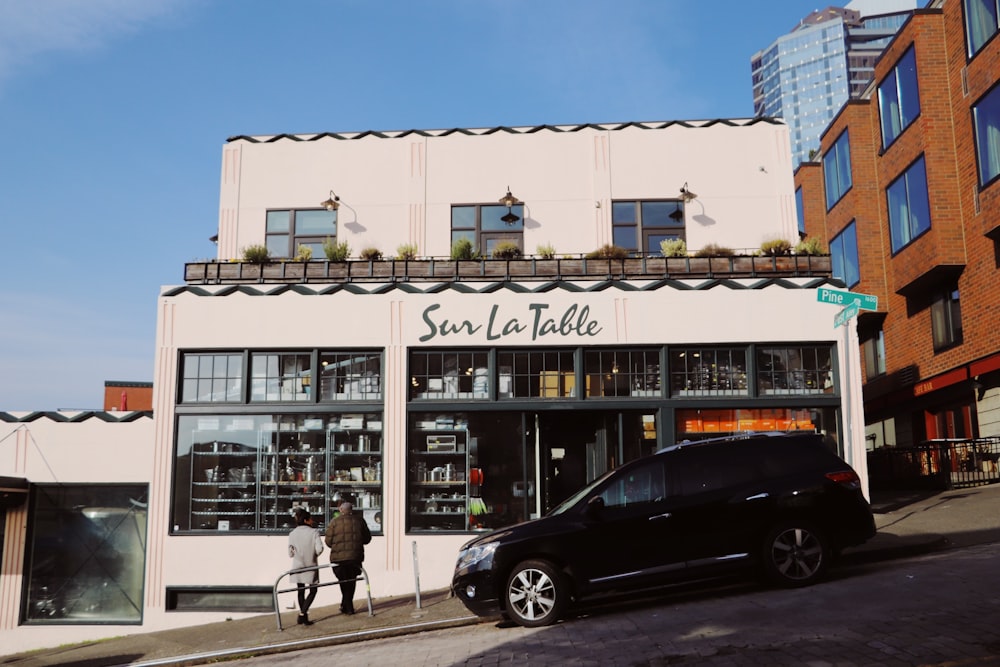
(946, 319)
(287, 229)
(909, 206)
(800, 212)
(212, 378)
(485, 225)
(844, 255)
(837, 170)
(981, 23)
(986, 113)
(898, 98)
(641, 225)
(874, 351)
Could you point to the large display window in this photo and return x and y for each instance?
(86, 553)
(243, 473)
(478, 471)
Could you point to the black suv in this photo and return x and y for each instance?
(783, 504)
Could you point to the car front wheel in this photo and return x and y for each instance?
(795, 554)
(536, 594)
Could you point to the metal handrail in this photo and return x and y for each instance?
(316, 568)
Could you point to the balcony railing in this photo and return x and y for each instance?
(525, 269)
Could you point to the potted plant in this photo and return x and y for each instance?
(371, 254)
(256, 254)
(507, 250)
(673, 248)
(407, 251)
(463, 249)
(546, 251)
(776, 247)
(336, 252)
(811, 246)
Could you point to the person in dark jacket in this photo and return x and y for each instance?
(347, 536)
(304, 544)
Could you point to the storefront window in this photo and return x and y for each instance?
(799, 369)
(211, 378)
(536, 374)
(698, 424)
(250, 472)
(280, 377)
(86, 554)
(449, 374)
(624, 372)
(350, 376)
(477, 471)
(708, 371)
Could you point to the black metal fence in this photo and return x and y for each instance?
(936, 464)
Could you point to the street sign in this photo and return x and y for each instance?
(844, 316)
(843, 298)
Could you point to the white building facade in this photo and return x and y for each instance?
(451, 397)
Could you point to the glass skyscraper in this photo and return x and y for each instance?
(806, 75)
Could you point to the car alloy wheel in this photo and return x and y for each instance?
(795, 554)
(536, 594)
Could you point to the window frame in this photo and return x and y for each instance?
(844, 255)
(800, 214)
(873, 347)
(646, 232)
(973, 48)
(987, 148)
(55, 514)
(486, 234)
(837, 177)
(902, 97)
(293, 237)
(220, 380)
(913, 231)
(817, 377)
(946, 318)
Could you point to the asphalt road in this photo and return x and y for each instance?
(941, 609)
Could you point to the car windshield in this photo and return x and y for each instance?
(575, 498)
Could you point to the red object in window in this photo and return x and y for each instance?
(124, 404)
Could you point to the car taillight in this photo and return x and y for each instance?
(846, 478)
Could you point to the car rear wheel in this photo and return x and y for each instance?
(536, 594)
(795, 554)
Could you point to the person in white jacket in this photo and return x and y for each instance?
(304, 545)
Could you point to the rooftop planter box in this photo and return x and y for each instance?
(530, 269)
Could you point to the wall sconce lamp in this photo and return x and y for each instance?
(686, 194)
(333, 203)
(509, 201)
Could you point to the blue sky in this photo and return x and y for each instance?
(114, 114)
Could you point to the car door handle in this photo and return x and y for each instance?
(665, 515)
(759, 496)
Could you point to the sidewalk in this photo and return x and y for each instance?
(908, 524)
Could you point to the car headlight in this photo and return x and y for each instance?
(480, 556)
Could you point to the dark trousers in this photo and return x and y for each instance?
(350, 570)
(306, 599)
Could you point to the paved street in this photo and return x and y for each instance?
(942, 609)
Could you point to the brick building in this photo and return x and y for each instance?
(906, 193)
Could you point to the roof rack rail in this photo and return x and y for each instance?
(740, 435)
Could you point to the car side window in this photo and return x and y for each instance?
(698, 471)
(640, 485)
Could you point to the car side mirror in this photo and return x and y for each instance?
(594, 508)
